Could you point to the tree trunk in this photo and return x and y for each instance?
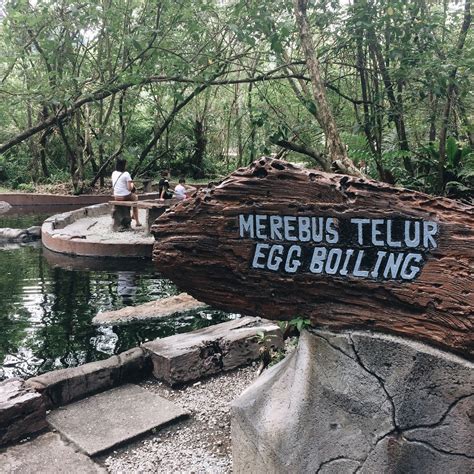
(42, 144)
(337, 150)
(72, 157)
(277, 241)
(443, 133)
(433, 102)
(159, 132)
(315, 155)
(199, 149)
(42, 154)
(371, 140)
(396, 109)
(251, 124)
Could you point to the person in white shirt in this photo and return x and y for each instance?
(180, 190)
(123, 187)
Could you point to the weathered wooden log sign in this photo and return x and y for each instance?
(277, 241)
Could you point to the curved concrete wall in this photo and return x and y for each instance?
(88, 248)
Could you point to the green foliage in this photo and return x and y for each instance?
(280, 354)
(357, 147)
(300, 323)
(27, 187)
(18, 171)
(458, 170)
(55, 54)
(459, 173)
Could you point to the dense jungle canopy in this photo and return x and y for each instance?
(201, 87)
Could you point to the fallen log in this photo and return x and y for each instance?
(277, 241)
(148, 311)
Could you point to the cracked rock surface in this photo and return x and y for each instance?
(358, 402)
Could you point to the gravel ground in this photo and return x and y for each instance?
(200, 444)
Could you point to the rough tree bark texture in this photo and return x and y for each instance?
(198, 245)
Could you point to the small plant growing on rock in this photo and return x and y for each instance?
(294, 326)
(266, 352)
(291, 331)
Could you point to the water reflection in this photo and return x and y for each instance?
(46, 310)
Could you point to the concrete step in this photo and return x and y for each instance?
(46, 454)
(108, 419)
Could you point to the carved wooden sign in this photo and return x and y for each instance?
(376, 249)
(277, 241)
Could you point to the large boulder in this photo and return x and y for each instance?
(357, 402)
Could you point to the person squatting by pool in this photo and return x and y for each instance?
(164, 187)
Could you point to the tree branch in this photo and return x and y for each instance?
(108, 91)
(318, 157)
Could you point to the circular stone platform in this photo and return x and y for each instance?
(88, 232)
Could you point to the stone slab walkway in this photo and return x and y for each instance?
(183, 358)
(153, 310)
(103, 421)
(46, 454)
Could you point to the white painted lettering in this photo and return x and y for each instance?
(332, 235)
(392, 265)
(274, 257)
(376, 232)
(258, 255)
(349, 253)
(409, 240)
(360, 233)
(367, 262)
(357, 271)
(292, 259)
(390, 241)
(276, 226)
(246, 225)
(317, 229)
(413, 270)
(380, 255)
(333, 261)
(290, 222)
(317, 261)
(304, 229)
(430, 229)
(260, 223)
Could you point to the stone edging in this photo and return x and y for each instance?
(63, 386)
(23, 404)
(32, 199)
